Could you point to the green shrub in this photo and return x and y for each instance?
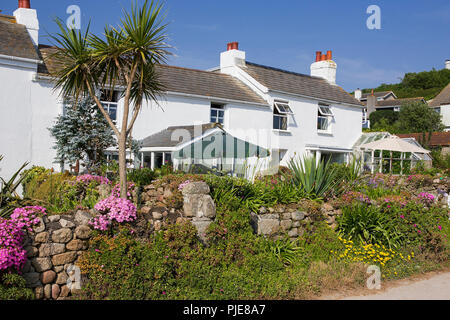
(368, 224)
(399, 225)
(12, 287)
(60, 192)
(141, 177)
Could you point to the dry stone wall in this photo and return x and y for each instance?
(53, 248)
(290, 221)
(56, 243)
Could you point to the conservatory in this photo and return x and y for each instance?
(386, 153)
(206, 146)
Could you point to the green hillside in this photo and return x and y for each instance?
(425, 84)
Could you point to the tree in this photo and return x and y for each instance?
(389, 117)
(125, 57)
(418, 117)
(82, 133)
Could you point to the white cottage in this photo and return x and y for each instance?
(286, 113)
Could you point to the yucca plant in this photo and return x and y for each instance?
(314, 178)
(8, 192)
(354, 169)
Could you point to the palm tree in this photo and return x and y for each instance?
(125, 57)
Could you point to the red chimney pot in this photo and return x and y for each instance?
(24, 4)
(323, 57)
(318, 55)
(233, 46)
(329, 55)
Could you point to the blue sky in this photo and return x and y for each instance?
(414, 34)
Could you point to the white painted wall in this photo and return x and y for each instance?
(172, 111)
(46, 106)
(15, 115)
(445, 112)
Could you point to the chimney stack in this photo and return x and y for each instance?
(231, 58)
(358, 94)
(28, 17)
(324, 67)
(447, 64)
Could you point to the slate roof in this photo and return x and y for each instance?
(164, 137)
(297, 83)
(442, 98)
(15, 40)
(180, 80)
(206, 83)
(398, 102)
(376, 94)
(438, 139)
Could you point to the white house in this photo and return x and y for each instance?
(442, 103)
(285, 112)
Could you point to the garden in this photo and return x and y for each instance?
(398, 223)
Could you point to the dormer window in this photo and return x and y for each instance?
(217, 113)
(324, 117)
(281, 110)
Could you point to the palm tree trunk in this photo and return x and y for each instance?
(123, 165)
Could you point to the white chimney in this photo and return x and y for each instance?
(232, 57)
(447, 64)
(28, 17)
(324, 67)
(358, 94)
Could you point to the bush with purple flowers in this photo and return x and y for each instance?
(88, 178)
(113, 209)
(12, 234)
(426, 198)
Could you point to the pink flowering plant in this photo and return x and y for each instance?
(116, 190)
(426, 198)
(183, 184)
(88, 178)
(12, 235)
(113, 209)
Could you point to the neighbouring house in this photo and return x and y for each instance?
(437, 140)
(272, 114)
(387, 100)
(384, 100)
(442, 104)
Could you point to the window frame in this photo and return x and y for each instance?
(286, 108)
(113, 104)
(218, 108)
(326, 115)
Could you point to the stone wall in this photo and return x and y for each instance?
(290, 220)
(53, 248)
(57, 242)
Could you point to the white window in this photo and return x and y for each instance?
(281, 111)
(324, 117)
(217, 113)
(283, 108)
(110, 101)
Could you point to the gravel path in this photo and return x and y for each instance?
(436, 287)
